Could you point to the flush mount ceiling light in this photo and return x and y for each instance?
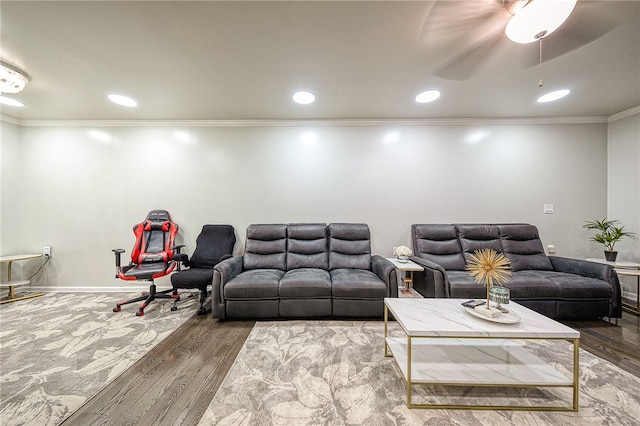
(122, 100)
(428, 96)
(12, 80)
(554, 96)
(304, 98)
(537, 19)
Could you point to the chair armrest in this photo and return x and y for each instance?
(589, 269)
(435, 277)
(223, 272)
(386, 271)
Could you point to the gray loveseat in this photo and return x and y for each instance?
(304, 271)
(557, 287)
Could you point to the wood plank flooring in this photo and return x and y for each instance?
(175, 382)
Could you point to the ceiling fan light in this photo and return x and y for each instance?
(12, 80)
(538, 19)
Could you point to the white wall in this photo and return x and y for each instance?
(10, 192)
(624, 180)
(83, 188)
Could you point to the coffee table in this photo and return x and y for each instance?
(444, 345)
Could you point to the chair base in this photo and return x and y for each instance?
(149, 297)
(201, 309)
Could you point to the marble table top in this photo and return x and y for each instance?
(447, 318)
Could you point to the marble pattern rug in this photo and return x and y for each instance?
(335, 373)
(59, 350)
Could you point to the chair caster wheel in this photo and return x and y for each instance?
(117, 309)
(139, 313)
(174, 308)
(202, 311)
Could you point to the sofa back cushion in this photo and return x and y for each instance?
(349, 246)
(478, 237)
(438, 243)
(265, 247)
(307, 246)
(522, 246)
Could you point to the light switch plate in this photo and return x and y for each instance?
(548, 209)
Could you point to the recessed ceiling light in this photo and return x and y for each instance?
(304, 98)
(123, 100)
(554, 96)
(428, 96)
(11, 102)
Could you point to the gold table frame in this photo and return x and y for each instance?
(11, 285)
(574, 382)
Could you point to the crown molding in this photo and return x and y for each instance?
(9, 119)
(313, 122)
(624, 114)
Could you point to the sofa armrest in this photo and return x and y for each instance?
(434, 277)
(593, 270)
(223, 272)
(386, 271)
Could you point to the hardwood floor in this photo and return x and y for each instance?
(618, 344)
(175, 382)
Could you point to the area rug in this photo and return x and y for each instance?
(335, 373)
(59, 350)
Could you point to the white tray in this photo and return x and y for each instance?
(508, 318)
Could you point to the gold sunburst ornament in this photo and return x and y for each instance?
(490, 268)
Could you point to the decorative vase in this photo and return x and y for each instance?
(403, 259)
(610, 255)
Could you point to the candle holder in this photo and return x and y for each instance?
(500, 296)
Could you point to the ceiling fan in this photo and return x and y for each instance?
(484, 25)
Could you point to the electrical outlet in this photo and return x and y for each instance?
(551, 249)
(548, 209)
(46, 251)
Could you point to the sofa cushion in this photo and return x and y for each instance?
(522, 246)
(478, 237)
(254, 284)
(438, 243)
(524, 285)
(357, 284)
(462, 286)
(349, 246)
(265, 247)
(305, 283)
(577, 287)
(307, 246)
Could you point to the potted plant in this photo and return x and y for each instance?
(609, 233)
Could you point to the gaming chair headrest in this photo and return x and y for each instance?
(158, 216)
(157, 220)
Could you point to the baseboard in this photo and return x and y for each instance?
(135, 288)
(629, 295)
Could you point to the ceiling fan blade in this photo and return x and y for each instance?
(449, 20)
(466, 64)
(588, 22)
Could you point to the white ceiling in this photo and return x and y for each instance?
(210, 60)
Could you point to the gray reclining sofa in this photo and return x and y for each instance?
(557, 287)
(304, 271)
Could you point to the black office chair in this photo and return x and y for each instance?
(151, 257)
(214, 244)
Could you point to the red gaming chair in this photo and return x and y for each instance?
(154, 255)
